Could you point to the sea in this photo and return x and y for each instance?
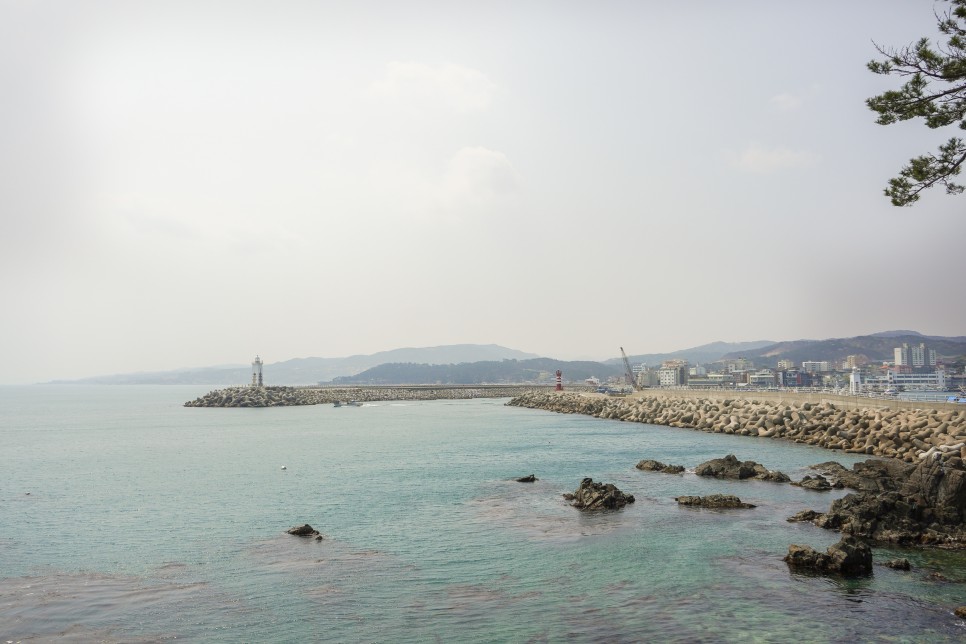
(126, 517)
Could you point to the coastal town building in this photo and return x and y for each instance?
(916, 357)
(786, 364)
(793, 378)
(853, 361)
(895, 379)
(740, 364)
(648, 378)
(815, 366)
(762, 378)
(673, 373)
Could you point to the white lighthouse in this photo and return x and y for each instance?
(257, 372)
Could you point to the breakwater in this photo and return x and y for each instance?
(289, 396)
(906, 434)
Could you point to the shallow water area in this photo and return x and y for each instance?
(128, 517)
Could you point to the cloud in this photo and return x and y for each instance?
(474, 177)
(786, 102)
(761, 160)
(447, 86)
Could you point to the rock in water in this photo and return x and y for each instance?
(804, 515)
(598, 496)
(923, 504)
(817, 482)
(304, 531)
(713, 501)
(850, 556)
(527, 479)
(650, 465)
(730, 467)
(899, 564)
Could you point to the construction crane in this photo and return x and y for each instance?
(628, 372)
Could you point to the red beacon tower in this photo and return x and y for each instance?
(559, 381)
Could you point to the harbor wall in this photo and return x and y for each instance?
(878, 430)
(289, 396)
(816, 397)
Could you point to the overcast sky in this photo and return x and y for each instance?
(191, 183)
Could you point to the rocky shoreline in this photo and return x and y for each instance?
(903, 434)
(290, 396)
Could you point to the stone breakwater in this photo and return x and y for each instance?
(907, 434)
(290, 396)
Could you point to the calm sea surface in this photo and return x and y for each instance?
(127, 517)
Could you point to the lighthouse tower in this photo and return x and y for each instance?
(257, 372)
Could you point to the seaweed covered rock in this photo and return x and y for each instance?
(650, 465)
(730, 467)
(598, 496)
(850, 556)
(713, 501)
(530, 478)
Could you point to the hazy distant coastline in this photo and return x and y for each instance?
(496, 364)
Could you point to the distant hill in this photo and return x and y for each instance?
(308, 371)
(697, 355)
(491, 371)
(876, 347)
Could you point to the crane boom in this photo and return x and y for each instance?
(628, 372)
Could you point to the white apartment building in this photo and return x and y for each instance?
(672, 376)
(697, 370)
(814, 366)
(914, 356)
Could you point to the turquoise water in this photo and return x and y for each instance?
(127, 517)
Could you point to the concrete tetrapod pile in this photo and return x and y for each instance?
(288, 396)
(905, 434)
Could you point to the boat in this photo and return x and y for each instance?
(348, 403)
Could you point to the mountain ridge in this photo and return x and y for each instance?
(875, 347)
(313, 370)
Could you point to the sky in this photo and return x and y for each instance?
(185, 184)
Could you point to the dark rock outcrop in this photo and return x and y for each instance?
(898, 564)
(713, 501)
(527, 479)
(804, 515)
(818, 483)
(598, 496)
(850, 556)
(730, 467)
(873, 475)
(905, 504)
(650, 465)
(304, 531)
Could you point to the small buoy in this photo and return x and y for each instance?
(284, 468)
